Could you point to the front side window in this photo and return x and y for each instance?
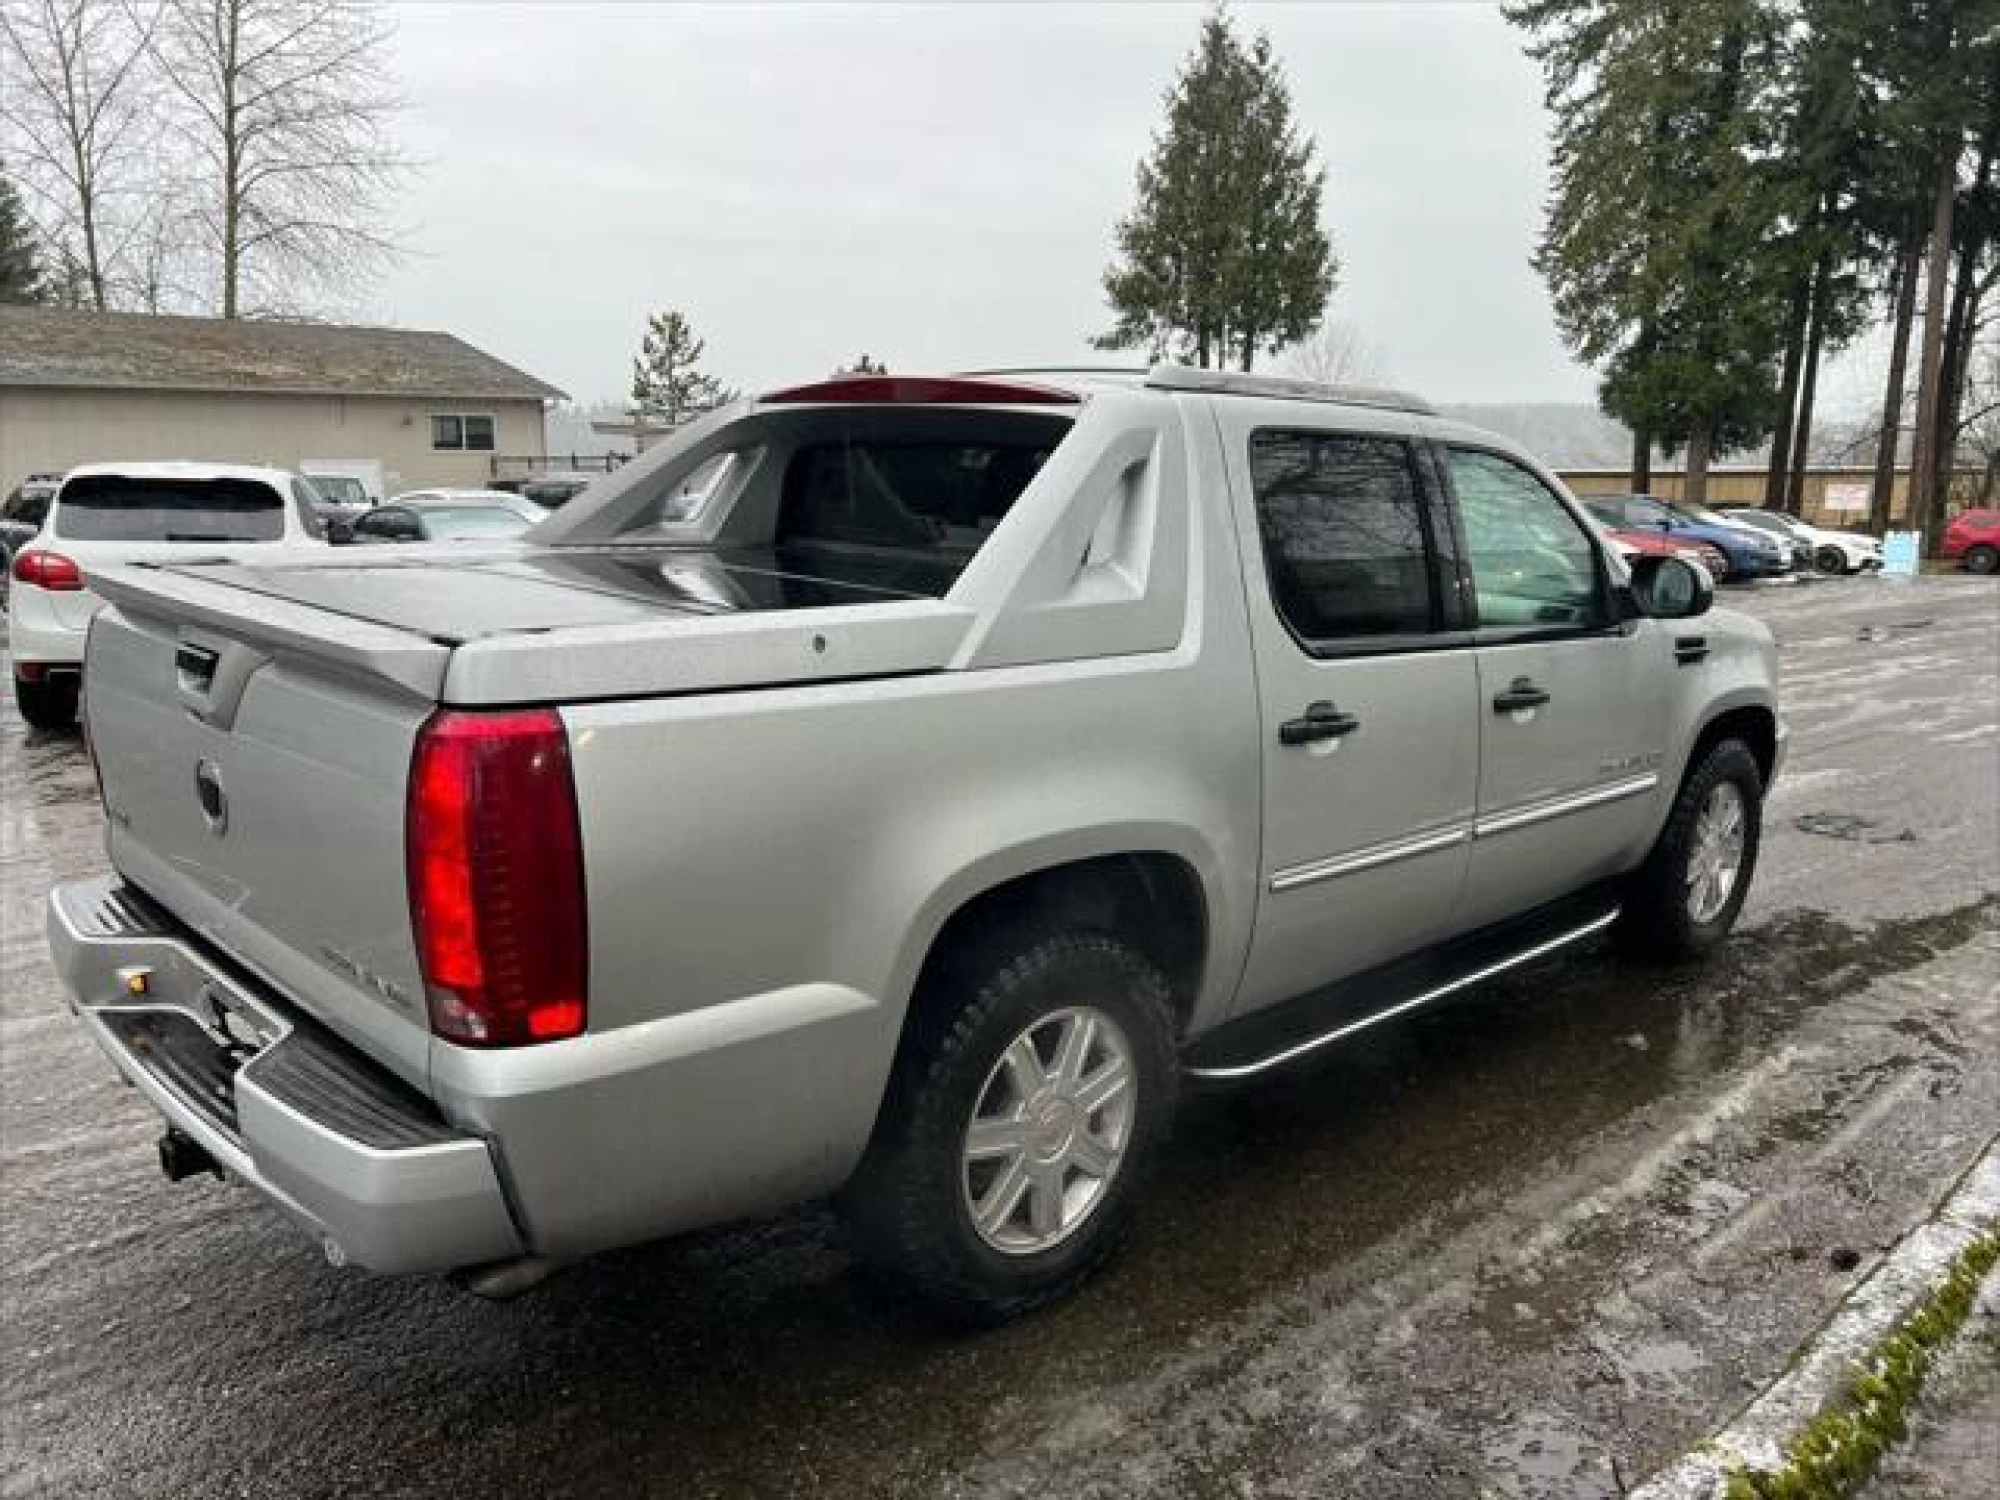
(1533, 565)
(1341, 517)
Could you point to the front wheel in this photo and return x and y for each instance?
(47, 702)
(1034, 1088)
(1831, 561)
(1683, 901)
(1982, 559)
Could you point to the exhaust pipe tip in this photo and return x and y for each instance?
(504, 1280)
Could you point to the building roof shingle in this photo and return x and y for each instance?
(43, 346)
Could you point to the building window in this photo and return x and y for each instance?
(462, 433)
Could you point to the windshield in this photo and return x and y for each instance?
(115, 508)
(454, 522)
(340, 489)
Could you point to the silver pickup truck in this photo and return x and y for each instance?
(895, 788)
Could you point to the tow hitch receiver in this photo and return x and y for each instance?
(182, 1156)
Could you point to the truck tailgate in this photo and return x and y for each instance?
(253, 776)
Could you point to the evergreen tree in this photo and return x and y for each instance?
(1663, 243)
(667, 381)
(20, 261)
(1223, 256)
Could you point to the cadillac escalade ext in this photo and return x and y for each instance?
(893, 788)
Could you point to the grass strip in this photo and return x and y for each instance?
(1841, 1447)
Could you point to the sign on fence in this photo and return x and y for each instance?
(1846, 498)
(1899, 554)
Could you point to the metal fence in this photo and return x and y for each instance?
(525, 466)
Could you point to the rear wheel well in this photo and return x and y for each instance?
(1153, 901)
(1755, 726)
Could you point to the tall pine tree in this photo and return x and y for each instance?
(1223, 256)
(1660, 248)
(668, 384)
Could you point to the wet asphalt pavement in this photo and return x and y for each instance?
(1533, 1244)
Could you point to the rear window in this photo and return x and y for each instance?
(454, 521)
(937, 499)
(115, 508)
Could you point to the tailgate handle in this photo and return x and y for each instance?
(195, 667)
(211, 679)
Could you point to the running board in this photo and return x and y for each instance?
(1285, 1033)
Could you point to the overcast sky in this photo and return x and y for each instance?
(937, 184)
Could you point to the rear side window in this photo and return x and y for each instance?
(1341, 517)
(941, 498)
(115, 508)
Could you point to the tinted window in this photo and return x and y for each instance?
(112, 507)
(388, 523)
(1532, 562)
(29, 507)
(941, 499)
(479, 434)
(1342, 524)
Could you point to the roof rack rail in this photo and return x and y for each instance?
(1131, 372)
(1234, 383)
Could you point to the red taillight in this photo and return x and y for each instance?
(496, 878)
(48, 570)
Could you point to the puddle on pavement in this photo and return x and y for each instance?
(1850, 826)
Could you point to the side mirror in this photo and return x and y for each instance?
(340, 533)
(1671, 588)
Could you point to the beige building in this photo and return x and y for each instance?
(81, 387)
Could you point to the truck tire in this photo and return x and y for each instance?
(1682, 901)
(1982, 559)
(1031, 1094)
(47, 704)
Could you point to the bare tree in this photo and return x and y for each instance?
(289, 112)
(73, 92)
(1335, 354)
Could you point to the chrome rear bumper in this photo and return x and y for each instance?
(352, 1154)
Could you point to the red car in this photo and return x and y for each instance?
(1974, 537)
(1652, 544)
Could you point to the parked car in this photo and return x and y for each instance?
(442, 516)
(355, 482)
(903, 810)
(1751, 553)
(1634, 544)
(555, 490)
(338, 500)
(521, 506)
(112, 513)
(26, 507)
(1832, 552)
(1973, 538)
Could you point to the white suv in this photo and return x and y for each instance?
(128, 512)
